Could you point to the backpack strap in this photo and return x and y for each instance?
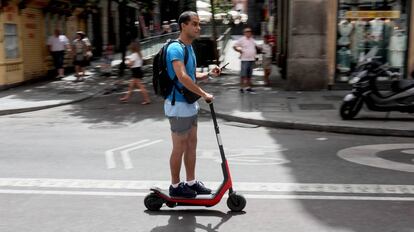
(175, 79)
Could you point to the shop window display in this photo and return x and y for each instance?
(364, 24)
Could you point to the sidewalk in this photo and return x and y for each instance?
(52, 93)
(308, 110)
(270, 107)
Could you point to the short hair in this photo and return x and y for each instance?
(81, 33)
(185, 17)
(247, 28)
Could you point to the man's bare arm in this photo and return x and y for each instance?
(183, 77)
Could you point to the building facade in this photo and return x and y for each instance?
(320, 42)
(24, 29)
(25, 26)
(11, 47)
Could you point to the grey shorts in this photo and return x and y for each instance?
(246, 69)
(182, 125)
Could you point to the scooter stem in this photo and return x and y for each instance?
(217, 130)
(224, 164)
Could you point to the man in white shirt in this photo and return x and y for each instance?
(246, 46)
(57, 44)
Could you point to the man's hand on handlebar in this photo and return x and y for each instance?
(208, 97)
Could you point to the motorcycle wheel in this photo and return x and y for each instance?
(350, 109)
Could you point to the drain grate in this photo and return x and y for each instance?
(316, 106)
(69, 92)
(333, 98)
(273, 107)
(107, 126)
(242, 125)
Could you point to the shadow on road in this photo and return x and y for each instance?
(186, 220)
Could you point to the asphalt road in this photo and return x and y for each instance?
(88, 166)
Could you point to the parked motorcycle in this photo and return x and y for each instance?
(399, 98)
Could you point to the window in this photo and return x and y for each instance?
(11, 41)
(364, 24)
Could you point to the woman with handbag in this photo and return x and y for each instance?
(134, 61)
(81, 48)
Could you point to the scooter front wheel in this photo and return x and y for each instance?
(236, 202)
(350, 109)
(153, 202)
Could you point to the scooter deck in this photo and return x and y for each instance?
(167, 195)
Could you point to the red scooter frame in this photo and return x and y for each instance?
(235, 202)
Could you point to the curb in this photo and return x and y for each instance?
(316, 127)
(30, 109)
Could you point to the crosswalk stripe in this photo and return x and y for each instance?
(239, 186)
(248, 196)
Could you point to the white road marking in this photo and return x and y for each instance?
(367, 155)
(46, 184)
(321, 139)
(248, 196)
(125, 153)
(410, 152)
(311, 197)
(83, 193)
(109, 154)
(267, 155)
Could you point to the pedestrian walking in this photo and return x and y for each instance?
(81, 48)
(246, 46)
(165, 28)
(135, 61)
(107, 58)
(57, 44)
(181, 114)
(173, 25)
(266, 50)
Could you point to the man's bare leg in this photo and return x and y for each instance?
(190, 154)
(179, 146)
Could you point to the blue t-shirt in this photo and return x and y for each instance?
(175, 51)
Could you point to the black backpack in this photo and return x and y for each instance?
(162, 83)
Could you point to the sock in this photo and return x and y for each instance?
(191, 182)
(175, 185)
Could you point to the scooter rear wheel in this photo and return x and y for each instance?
(153, 202)
(236, 202)
(350, 109)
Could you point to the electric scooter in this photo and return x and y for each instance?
(236, 202)
(400, 98)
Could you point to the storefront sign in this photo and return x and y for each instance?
(393, 14)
